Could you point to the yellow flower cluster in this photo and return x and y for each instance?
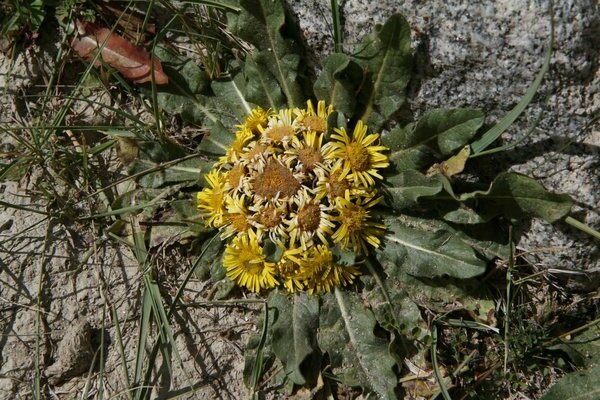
(284, 180)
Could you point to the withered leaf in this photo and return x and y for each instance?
(133, 62)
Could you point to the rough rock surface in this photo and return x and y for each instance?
(485, 55)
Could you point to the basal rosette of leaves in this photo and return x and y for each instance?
(286, 193)
(433, 235)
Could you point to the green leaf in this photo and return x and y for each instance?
(272, 251)
(339, 83)
(445, 130)
(419, 248)
(261, 86)
(231, 93)
(517, 196)
(580, 385)
(438, 295)
(459, 213)
(583, 349)
(418, 157)
(266, 25)
(404, 189)
(211, 262)
(216, 142)
(189, 94)
(187, 212)
(400, 313)
(437, 135)
(294, 331)
(357, 356)
(183, 95)
(168, 229)
(386, 56)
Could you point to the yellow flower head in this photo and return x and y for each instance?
(284, 182)
(333, 185)
(312, 120)
(281, 129)
(268, 218)
(307, 151)
(211, 200)
(237, 219)
(356, 227)
(312, 219)
(290, 269)
(322, 274)
(255, 121)
(245, 263)
(361, 154)
(236, 148)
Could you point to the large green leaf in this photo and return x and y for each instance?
(264, 23)
(230, 92)
(445, 130)
(339, 83)
(583, 349)
(437, 135)
(420, 248)
(189, 95)
(185, 95)
(393, 307)
(580, 385)
(211, 263)
(261, 86)
(357, 356)
(293, 334)
(216, 142)
(404, 189)
(517, 196)
(386, 56)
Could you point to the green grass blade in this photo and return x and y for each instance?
(100, 392)
(258, 363)
(337, 27)
(123, 210)
(121, 348)
(514, 144)
(142, 339)
(494, 133)
(434, 362)
(582, 227)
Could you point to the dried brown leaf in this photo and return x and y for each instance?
(133, 62)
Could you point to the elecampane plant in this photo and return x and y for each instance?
(286, 181)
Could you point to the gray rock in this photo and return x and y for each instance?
(485, 55)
